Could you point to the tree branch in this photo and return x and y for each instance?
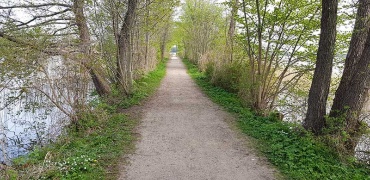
(35, 5)
(45, 16)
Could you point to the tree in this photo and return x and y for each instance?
(55, 54)
(101, 84)
(124, 61)
(43, 20)
(274, 38)
(201, 23)
(232, 27)
(353, 87)
(137, 36)
(79, 34)
(39, 43)
(164, 39)
(319, 90)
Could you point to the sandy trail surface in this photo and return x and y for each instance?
(184, 135)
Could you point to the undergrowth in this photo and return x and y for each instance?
(94, 149)
(295, 152)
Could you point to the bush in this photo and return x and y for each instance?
(221, 71)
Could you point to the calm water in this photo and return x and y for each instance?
(22, 129)
(34, 119)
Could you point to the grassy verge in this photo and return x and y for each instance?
(145, 86)
(287, 146)
(95, 150)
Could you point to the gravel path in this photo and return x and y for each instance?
(183, 135)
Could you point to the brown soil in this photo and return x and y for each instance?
(183, 135)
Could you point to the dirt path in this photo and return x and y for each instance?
(185, 136)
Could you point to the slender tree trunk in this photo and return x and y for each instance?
(352, 91)
(115, 25)
(164, 42)
(258, 104)
(318, 95)
(124, 62)
(100, 83)
(231, 31)
(136, 60)
(147, 2)
(115, 22)
(250, 54)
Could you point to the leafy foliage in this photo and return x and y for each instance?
(279, 41)
(201, 25)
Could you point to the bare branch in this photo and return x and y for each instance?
(45, 16)
(35, 5)
(58, 21)
(49, 51)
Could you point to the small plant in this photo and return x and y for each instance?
(337, 136)
(75, 165)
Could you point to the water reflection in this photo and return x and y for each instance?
(35, 108)
(23, 128)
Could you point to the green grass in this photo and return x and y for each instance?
(95, 150)
(290, 148)
(145, 86)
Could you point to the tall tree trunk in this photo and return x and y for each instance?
(100, 83)
(124, 62)
(355, 50)
(352, 90)
(258, 104)
(231, 31)
(163, 42)
(147, 2)
(114, 10)
(318, 95)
